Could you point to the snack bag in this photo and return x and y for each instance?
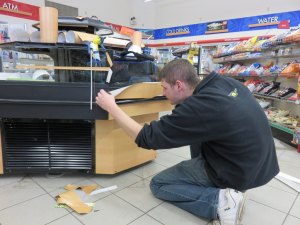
(248, 46)
(292, 68)
(292, 36)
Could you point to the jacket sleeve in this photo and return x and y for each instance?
(196, 120)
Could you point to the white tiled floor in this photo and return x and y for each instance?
(29, 200)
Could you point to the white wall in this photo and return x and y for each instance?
(170, 13)
(116, 11)
(113, 11)
(145, 14)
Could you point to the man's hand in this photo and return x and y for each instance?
(105, 100)
(108, 103)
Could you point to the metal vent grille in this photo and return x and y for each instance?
(26, 145)
(42, 145)
(70, 145)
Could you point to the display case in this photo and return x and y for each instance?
(50, 121)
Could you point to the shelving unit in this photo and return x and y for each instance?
(276, 99)
(279, 55)
(280, 127)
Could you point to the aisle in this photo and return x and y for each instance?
(29, 200)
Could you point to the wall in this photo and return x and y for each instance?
(170, 13)
(114, 11)
(145, 14)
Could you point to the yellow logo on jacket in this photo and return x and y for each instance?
(234, 93)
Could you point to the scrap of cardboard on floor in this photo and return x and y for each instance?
(75, 197)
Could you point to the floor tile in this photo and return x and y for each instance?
(140, 196)
(111, 210)
(289, 169)
(36, 211)
(10, 179)
(281, 186)
(132, 203)
(290, 220)
(148, 170)
(279, 153)
(51, 183)
(183, 152)
(272, 197)
(18, 192)
(145, 220)
(167, 159)
(122, 180)
(282, 146)
(296, 208)
(292, 157)
(65, 220)
(258, 214)
(168, 214)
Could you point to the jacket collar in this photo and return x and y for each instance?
(205, 81)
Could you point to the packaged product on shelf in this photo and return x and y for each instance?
(287, 92)
(241, 70)
(258, 72)
(223, 70)
(249, 44)
(292, 68)
(284, 92)
(261, 86)
(231, 49)
(274, 69)
(294, 97)
(250, 71)
(270, 88)
(292, 36)
(234, 69)
(258, 45)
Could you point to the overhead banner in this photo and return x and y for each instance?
(264, 22)
(146, 33)
(20, 10)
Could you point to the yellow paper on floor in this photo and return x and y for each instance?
(73, 200)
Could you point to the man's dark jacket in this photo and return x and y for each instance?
(225, 122)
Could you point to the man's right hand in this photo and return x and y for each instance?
(105, 100)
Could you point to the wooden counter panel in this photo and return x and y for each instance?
(141, 90)
(115, 150)
(143, 108)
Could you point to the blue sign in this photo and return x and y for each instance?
(269, 21)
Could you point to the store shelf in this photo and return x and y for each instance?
(272, 75)
(248, 76)
(288, 50)
(281, 127)
(242, 57)
(273, 98)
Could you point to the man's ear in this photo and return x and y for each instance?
(179, 84)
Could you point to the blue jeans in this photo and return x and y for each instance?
(187, 186)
